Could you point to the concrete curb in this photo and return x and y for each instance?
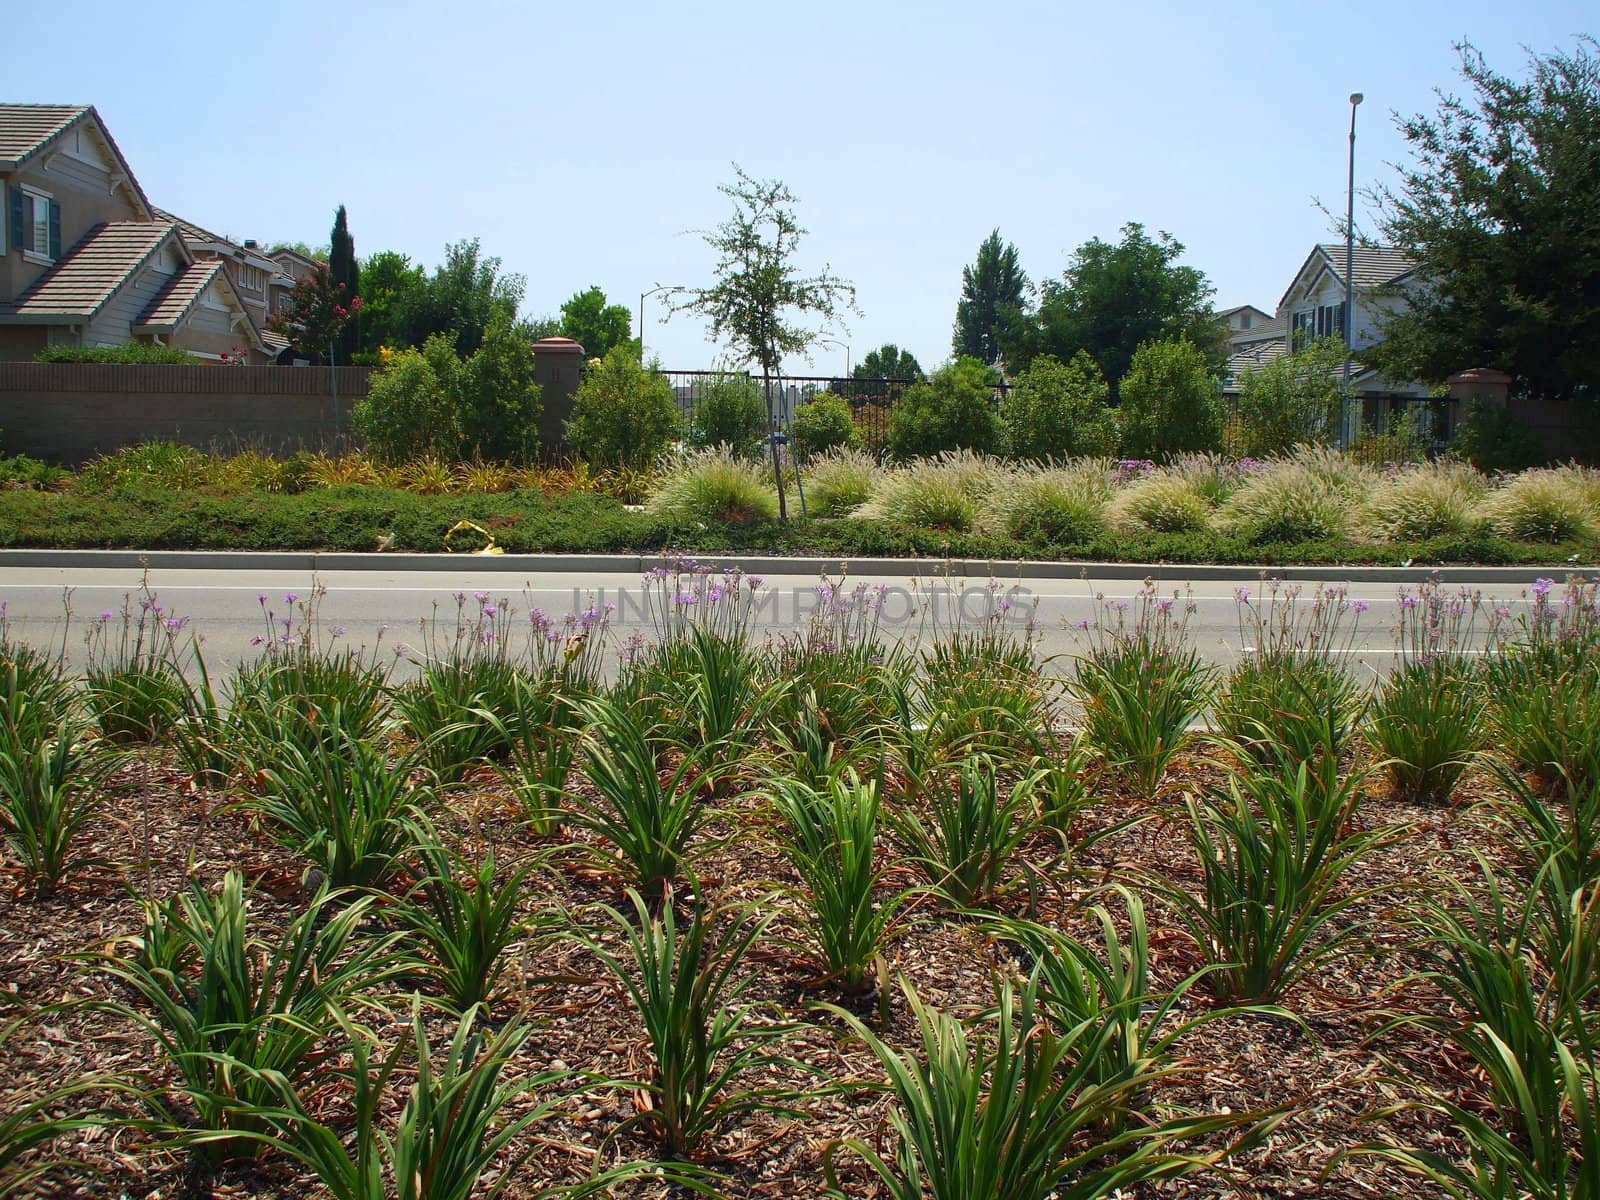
(859, 568)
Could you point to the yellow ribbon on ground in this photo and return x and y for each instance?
(461, 527)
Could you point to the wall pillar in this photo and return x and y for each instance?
(557, 367)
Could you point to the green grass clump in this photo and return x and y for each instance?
(942, 493)
(1428, 500)
(714, 484)
(839, 480)
(1288, 501)
(1542, 506)
(1165, 501)
(1049, 505)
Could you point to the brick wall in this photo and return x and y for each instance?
(71, 412)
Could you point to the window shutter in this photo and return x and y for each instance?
(55, 229)
(19, 220)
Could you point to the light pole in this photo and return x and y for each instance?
(660, 287)
(1350, 273)
(838, 346)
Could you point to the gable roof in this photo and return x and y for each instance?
(25, 128)
(174, 300)
(90, 273)
(1374, 266)
(191, 232)
(172, 305)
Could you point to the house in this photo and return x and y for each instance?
(1313, 306)
(86, 260)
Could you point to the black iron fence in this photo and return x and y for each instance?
(871, 401)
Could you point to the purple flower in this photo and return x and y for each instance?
(1164, 605)
(107, 615)
(1542, 586)
(339, 631)
(489, 610)
(261, 599)
(1408, 601)
(481, 597)
(257, 640)
(291, 598)
(756, 581)
(1241, 595)
(1361, 606)
(176, 623)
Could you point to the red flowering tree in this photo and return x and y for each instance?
(317, 312)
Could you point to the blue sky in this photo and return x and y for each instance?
(582, 144)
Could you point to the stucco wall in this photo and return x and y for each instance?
(71, 412)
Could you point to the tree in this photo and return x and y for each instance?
(467, 294)
(1114, 297)
(953, 409)
(1501, 209)
(393, 298)
(1170, 403)
(1296, 398)
(1058, 410)
(993, 303)
(588, 319)
(410, 409)
(315, 253)
(888, 361)
(758, 285)
(346, 273)
(317, 312)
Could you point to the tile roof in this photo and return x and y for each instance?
(179, 295)
(91, 272)
(1374, 265)
(274, 342)
(1252, 357)
(191, 232)
(26, 127)
(1265, 331)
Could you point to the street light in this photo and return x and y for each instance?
(1350, 271)
(660, 287)
(838, 346)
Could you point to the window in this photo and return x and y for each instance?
(39, 224)
(1326, 320)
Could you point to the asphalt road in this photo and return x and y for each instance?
(392, 609)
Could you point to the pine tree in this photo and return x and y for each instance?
(993, 299)
(346, 273)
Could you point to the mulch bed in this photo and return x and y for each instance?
(1330, 1072)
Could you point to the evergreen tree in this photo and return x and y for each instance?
(346, 276)
(993, 303)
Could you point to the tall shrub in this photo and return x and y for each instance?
(1059, 410)
(623, 413)
(498, 405)
(1170, 403)
(952, 410)
(823, 423)
(1294, 399)
(729, 411)
(410, 410)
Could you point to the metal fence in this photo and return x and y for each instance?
(871, 401)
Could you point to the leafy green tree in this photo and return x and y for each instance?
(393, 298)
(498, 405)
(1501, 207)
(1057, 410)
(410, 409)
(1170, 402)
(623, 414)
(1116, 296)
(888, 361)
(760, 297)
(952, 409)
(467, 294)
(588, 319)
(993, 304)
(346, 272)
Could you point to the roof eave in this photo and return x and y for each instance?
(45, 318)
